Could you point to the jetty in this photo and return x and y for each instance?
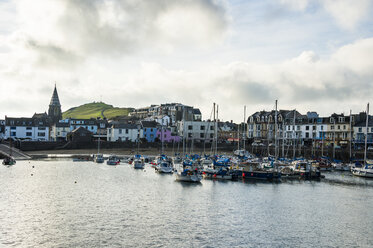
(16, 153)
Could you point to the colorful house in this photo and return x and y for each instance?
(150, 130)
(167, 135)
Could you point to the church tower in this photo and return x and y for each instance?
(54, 111)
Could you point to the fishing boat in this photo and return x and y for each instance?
(254, 170)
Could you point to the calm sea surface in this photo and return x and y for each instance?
(59, 203)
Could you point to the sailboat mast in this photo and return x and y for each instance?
(350, 134)
(283, 138)
(162, 138)
(294, 135)
(216, 131)
(276, 155)
(366, 136)
(244, 127)
(183, 131)
(334, 138)
(213, 140)
(98, 147)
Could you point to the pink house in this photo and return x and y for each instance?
(167, 136)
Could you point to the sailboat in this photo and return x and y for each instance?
(98, 158)
(9, 160)
(366, 169)
(138, 161)
(164, 164)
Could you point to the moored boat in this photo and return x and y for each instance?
(9, 161)
(113, 160)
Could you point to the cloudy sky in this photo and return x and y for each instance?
(309, 54)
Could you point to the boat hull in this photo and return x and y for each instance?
(189, 178)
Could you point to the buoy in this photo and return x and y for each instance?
(75, 181)
(243, 174)
(33, 166)
(32, 174)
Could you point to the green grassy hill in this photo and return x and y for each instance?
(94, 110)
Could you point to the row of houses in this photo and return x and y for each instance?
(291, 126)
(116, 131)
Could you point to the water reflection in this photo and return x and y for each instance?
(84, 204)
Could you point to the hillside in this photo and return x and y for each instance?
(94, 110)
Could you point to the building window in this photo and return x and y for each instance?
(41, 128)
(360, 130)
(307, 127)
(190, 135)
(332, 127)
(322, 127)
(344, 127)
(13, 134)
(202, 135)
(212, 128)
(41, 134)
(202, 127)
(13, 128)
(313, 128)
(339, 127)
(307, 135)
(211, 135)
(28, 128)
(28, 133)
(190, 127)
(126, 131)
(120, 131)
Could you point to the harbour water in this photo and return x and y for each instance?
(58, 203)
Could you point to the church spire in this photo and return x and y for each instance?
(54, 111)
(55, 101)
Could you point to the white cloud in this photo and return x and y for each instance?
(120, 50)
(298, 5)
(348, 13)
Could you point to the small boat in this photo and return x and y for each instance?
(113, 160)
(98, 158)
(362, 171)
(221, 174)
(164, 167)
(138, 162)
(9, 161)
(188, 175)
(164, 164)
(338, 166)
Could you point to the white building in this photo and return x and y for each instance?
(124, 132)
(199, 131)
(60, 130)
(26, 128)
(89, 124)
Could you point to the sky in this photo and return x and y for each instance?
(310, 55)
